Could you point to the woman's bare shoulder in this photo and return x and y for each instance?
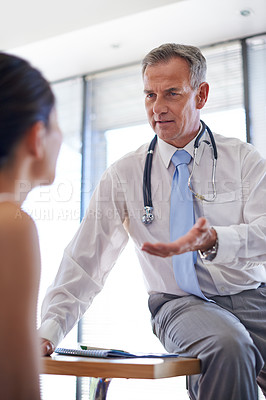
(19, 244)
(13, 218)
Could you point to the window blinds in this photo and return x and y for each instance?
(224, 75)
(117, 99)
(256, 57)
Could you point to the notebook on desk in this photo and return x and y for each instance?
(86, 351)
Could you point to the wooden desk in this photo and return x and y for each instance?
(106, 369)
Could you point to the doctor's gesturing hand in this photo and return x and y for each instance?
(200, 237)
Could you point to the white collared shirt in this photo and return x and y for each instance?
(238, 214)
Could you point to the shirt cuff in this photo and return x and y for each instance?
(51, 331)
(229, 244)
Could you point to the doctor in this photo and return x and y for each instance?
(226, 326)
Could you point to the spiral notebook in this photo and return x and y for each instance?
(86, 351)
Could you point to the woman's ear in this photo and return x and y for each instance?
(202, 95)
(35, 140)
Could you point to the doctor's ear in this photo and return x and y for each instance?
(202, 95)
(36, 140)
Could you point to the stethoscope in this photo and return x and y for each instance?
(148, 215)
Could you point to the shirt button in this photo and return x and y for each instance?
(222, 289)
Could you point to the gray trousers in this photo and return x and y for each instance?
(228, 336)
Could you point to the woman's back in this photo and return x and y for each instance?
(19, 279)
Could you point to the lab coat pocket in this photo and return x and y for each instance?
(226, 209)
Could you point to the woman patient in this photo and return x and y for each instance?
(30, 140)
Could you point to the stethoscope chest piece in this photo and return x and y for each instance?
(148, 216)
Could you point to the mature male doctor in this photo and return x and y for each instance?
(211, 302)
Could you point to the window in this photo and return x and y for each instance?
(224, 111)
(56, 211)
(256, 61)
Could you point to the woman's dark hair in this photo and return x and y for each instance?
(25, 98)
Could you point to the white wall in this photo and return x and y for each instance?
(128, 38)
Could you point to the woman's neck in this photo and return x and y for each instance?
(13, 187)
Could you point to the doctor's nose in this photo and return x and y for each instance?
(159, 106)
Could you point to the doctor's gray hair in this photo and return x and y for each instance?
(168, 51)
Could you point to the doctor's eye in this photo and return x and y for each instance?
(150, 95)
(173, 94)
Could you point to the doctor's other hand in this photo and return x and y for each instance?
(47, 347)
(200, 237)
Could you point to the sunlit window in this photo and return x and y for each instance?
(56, 211)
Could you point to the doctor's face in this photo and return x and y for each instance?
(172, 105)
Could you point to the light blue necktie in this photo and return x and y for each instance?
(181, 221)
